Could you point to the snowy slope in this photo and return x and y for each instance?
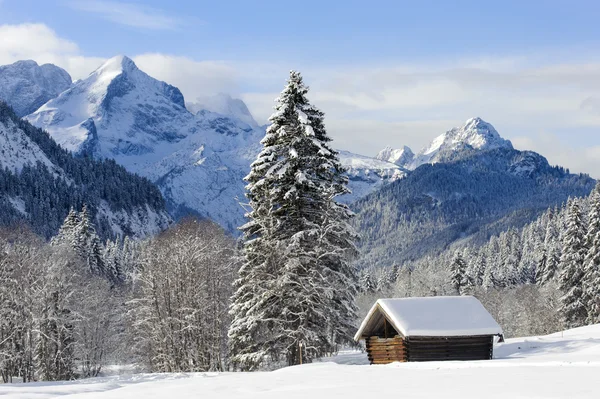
(26, 86)
(555, 366)
(18, 149)
(367, 174)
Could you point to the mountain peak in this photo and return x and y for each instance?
(25, 63)
(121, 95)
(475, 134)
(26, 86)
(479, 134)
(117, 64)
(400, 156)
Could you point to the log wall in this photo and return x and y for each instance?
(385, 350)
(449, 348)
(418, 349)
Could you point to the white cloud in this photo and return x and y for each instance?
(129, 14)
(42, 44)
(368, 107)
(193, 78)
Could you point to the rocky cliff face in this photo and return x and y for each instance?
(26, 86)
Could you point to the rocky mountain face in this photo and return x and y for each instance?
(40, 181)
(26, 86)
(400, 156)
(467, 185)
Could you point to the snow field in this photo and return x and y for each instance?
(562, 365)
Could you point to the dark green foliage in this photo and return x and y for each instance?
(477, 196)
(47, 198)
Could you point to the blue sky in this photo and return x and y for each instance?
(316, 31)
(385, 72)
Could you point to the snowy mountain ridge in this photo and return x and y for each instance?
(25, 85)
(474, 134)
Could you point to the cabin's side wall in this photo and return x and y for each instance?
(449, 348)
(385, 350)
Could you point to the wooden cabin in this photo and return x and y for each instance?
(432, 328)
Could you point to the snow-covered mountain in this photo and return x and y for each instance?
(476, 185)
(400, 156)
(41, 181)
(367, 174)
(26, 86)
(223, 104)
(120, 112)
(475, 134)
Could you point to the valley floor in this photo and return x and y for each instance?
(562, 365)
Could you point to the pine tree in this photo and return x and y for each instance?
(296, 288)
(458, 273)
(365, 281)
(87, 244)
(591, 266)
(68, 230)
(111, 259)
(572, 308)
(550, 260)
(477, 270)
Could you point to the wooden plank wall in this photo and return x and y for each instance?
(449, 348)
(385, 350)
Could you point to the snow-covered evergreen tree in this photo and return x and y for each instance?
(591, 266)
(68, 231)
(78, 232)
(458, 273)
(572, 308)
(111, 260)
(550, 261)
(87, 243)
(477, 269)
(297, 286)
(365, 281)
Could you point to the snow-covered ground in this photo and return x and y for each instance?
(563, 365)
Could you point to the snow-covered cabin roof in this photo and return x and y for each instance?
(439, 316)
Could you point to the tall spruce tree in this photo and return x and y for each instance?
(591, 266)
(572, 308)
(295, 292)
(79, 233)
(458, 273)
